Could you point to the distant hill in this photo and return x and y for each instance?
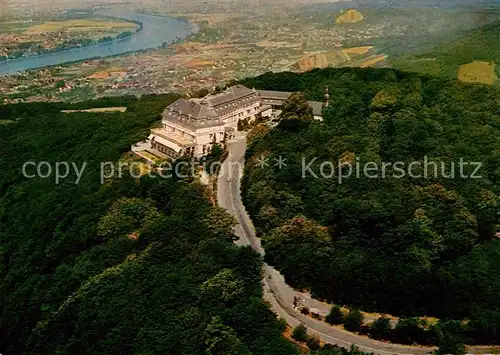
(350, 16)
(460, 58)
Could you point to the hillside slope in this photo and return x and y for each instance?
(446, 59)
(349, 16)
(420, 244)
(126, 267)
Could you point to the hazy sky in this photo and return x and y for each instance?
(68, 4)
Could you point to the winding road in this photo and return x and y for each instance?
(276, 291)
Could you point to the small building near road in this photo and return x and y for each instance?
(275, 99)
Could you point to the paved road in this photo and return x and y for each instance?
(276, 291)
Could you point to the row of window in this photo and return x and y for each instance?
(237, 102)
(165, 150)
(185, 118)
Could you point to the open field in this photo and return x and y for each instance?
(100, 109)
(478, 72)
(112, 72)
(321, 60)
(198, 62)
(80, 25)
(5, 122)
(10, 27)
(275, 44)
(209, 19)
(373, 61)
(341, 57)
(358, 50)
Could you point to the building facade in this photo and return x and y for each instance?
(192, 126)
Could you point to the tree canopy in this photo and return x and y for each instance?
(130, 266)
(420, 243)
(295, 110)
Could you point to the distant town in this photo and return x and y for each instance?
(228, 47)
(232, 43)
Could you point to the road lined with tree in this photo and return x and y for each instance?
(276, 291)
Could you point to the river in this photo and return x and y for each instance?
(156, 30)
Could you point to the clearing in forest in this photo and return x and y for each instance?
(478, 72)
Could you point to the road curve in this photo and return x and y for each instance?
(276, 291)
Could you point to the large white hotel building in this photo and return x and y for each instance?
(193, 126)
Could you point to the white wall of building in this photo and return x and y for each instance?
(205, 138)
(245, 108)
(231, 112)
(179, 130)
(267, 113)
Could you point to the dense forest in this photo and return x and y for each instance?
(147, 265)
(421, 245)
(132, 266)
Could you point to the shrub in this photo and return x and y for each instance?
(329, 349)
(353, 320)
(313, 342)
(336, 316)
(381, 329)
(451, 338)
(316, 316)
(300, 333)
(410, 330)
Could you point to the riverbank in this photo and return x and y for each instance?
(72, 44)
(42, 36)
(156, 32)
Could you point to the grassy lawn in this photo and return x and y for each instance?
(478, 72)
(151, 156)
